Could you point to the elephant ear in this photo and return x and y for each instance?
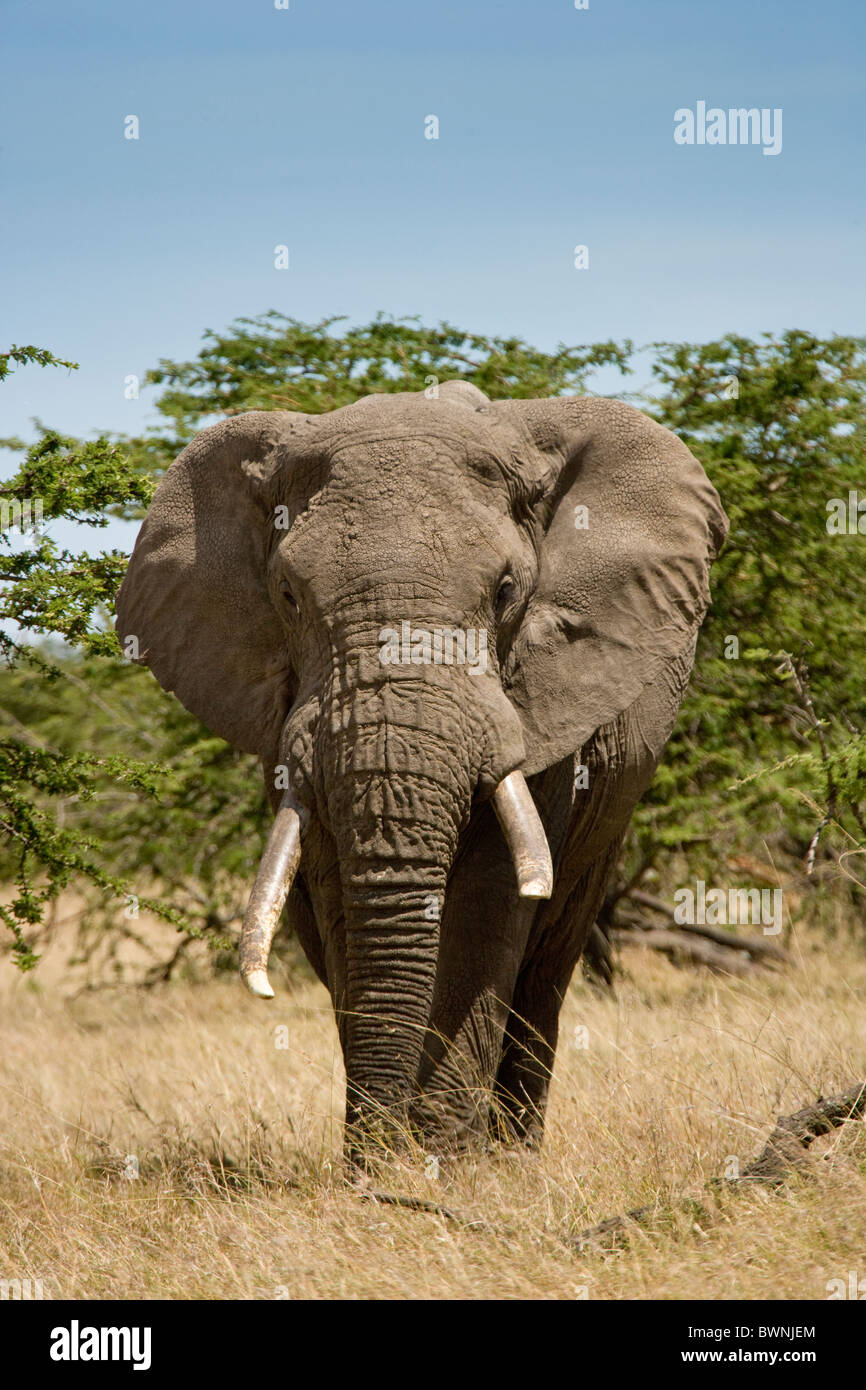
(194, 605)
(628, 525)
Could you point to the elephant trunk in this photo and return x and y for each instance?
(398, 787)
(392, 944)
(401, 759)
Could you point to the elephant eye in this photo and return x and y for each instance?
(505, 593)
(288, 597)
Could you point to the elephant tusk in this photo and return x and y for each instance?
(277, 870)
(524, 834)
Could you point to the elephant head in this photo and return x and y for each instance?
(300, 583)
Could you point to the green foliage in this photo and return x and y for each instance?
(779, 427)
(48, 590)
(29, 776)
(276, 363)
(163, 803)
(24, 355)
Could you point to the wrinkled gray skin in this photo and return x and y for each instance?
(455, 512)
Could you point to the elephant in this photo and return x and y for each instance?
(456, 631)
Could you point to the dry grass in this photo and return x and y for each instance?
(238, 1193)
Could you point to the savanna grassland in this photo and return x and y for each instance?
(160, 1144)
(155, 1141)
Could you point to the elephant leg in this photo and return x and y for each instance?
(618, 764)
(523, 1078)
(531, 1033)
(493, 1036)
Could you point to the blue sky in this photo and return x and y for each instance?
(305, 127)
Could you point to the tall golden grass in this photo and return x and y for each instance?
(161, 1145)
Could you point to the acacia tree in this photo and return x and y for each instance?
(47, 589)
(771, 740)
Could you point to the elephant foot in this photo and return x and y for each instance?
(515, 1123)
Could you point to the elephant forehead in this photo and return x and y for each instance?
(383, 490)
(418, 411)
(408, 416)
(392, 568)
(393, 461)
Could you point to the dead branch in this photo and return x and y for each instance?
(788, 1145)
(395, 1199)
(637, 895)
(785, 1152)
(755, 945)
(692, 950)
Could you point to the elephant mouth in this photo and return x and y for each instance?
(515, 811)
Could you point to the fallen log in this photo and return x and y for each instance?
(788, 1145)
(786, 1151)
(755, 945)
(693, 950)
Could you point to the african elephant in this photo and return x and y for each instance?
(302, 583)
